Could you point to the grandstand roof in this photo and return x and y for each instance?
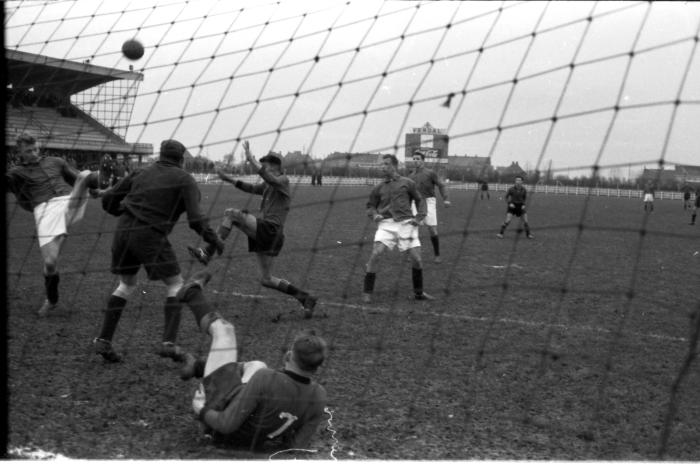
(60, 76)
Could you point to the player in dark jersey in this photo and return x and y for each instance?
(106, 170)
(696, 207)
(119, 169)
(56, 194)
(389, 205)
(149, 202)
(266, 233)
(246, 403)
(516, 198)
(426, 181)
(484, 190)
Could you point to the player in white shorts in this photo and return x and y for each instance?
(648, 196)
(57, 195)
(389, 206)
(426, 180)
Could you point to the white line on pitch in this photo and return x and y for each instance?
(463, 317)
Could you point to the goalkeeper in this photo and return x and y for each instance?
(265, 234)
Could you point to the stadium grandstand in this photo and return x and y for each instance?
(75, 109)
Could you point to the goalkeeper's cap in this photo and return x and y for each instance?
(272, 157)
(309, 350)
(172, 149)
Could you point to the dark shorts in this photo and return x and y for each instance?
(135, 244)
(223, 384)
(517, 210)
(269, 238)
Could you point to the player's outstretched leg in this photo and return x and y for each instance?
(503, 227)
(267, 280)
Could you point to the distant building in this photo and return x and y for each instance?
(433, 142)
(676, 178)
(353, 160)
(514, 169)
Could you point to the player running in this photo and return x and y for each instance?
(246, 403)
(265, 234)
(426, 180)
(149, 202)
(389, 206)
(516, 198)
(56, 194)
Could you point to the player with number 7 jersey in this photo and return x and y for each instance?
(247, 404)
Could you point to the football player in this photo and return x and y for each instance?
(246, 403)
(266, 233)
(389, 206)
(149, 202)
(426, 180)
(56, 194)
(516, 198)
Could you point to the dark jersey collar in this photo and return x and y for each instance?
(297, 377)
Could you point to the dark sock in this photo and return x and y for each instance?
(435, 240)
(285, 287)
(199, 367)
(172, 311)
(223, 233)
(692, 219)
(198, 304)
(503, 228)
(527, 229)
(51, 285)
(115, 306)
(370, 278)
(417, 274)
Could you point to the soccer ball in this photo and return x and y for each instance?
(132, 49)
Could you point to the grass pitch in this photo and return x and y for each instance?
(570, 347)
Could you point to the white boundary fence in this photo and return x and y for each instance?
(202, 178)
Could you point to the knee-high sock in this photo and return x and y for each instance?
(285, 287)
(435, 240)
(51, 286)
(527, 228)
(172, 311)
(417, 277)
(198, 304)
(370, 278)
(223, 232)
(112, 314)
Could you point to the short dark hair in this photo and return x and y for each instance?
(25, 139)
(309, 350)
(419, 153)
(519, 176)
(394, 160)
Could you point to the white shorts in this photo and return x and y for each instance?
(431, 207)
(401, 234)
(54, 217)
(648, 197)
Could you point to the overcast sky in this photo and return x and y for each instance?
(208, 55)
